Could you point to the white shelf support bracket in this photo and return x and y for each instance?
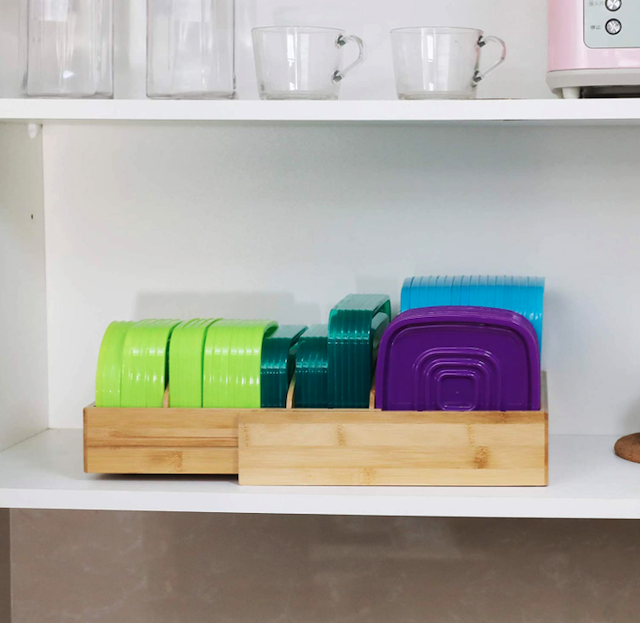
(33, 129)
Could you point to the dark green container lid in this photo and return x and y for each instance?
(278, 364)
(355, 327)
(312, 362)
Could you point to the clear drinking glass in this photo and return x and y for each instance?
(68, 48)
(191, 49)
(440, 63)
(299, 62)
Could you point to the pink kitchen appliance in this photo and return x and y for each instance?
(594, 48)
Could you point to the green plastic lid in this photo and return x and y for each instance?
(232, 363)
(186, 353)
(145, 363)
(312, 362)
(109, 370)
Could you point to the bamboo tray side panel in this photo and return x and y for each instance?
(160, 441)
(324, 447)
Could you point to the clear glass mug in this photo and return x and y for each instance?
(299, 62)
(67, 48)
(440, 63)
(191, 49)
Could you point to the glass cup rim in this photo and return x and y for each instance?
(303, 30)
(445, 30)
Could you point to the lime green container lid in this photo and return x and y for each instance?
(353, 325)
(312, 362)
(109, 369)
(186, 352)
(145, 363)
(232, 363)
(278, 364)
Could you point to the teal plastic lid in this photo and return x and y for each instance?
(354, 324)
(278, 364)
(312, 363)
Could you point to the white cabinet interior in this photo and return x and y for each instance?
(23, 305)
(282, 218)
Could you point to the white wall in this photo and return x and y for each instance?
(522, 23)
(23, 312)
(282, 221)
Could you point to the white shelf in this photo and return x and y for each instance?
(587, 481)
(542, 111)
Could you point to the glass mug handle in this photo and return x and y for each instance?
(481, 75)
(341, 41)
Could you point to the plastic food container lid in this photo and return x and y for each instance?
(458, 359)
(232, 363)
(278, 365)
(145, 363)
(351, 348)
(312, 363)
(109, 369)
(185, 363)
(523, 295)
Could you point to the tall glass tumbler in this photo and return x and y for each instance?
(191, 49)
(68, 48)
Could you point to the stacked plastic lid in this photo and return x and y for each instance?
(232, 363)
(463, 343)
(523, 295)
(278, 364)
(144, 363)
(354, 324)
(312, 369)
(212, 363)
(109, 373)
(186, 359)
(459, 359)
(244, 364)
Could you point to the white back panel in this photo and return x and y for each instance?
(23, 311)
(282, 221)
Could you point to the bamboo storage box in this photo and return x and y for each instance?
(323, 447)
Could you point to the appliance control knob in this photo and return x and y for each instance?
(613, 5)
(613, 26)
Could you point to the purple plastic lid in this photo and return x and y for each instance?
(459, 359)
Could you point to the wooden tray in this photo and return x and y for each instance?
(323, 447)
(160, 441)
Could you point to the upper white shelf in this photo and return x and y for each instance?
(543, 111)
(587, 481)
